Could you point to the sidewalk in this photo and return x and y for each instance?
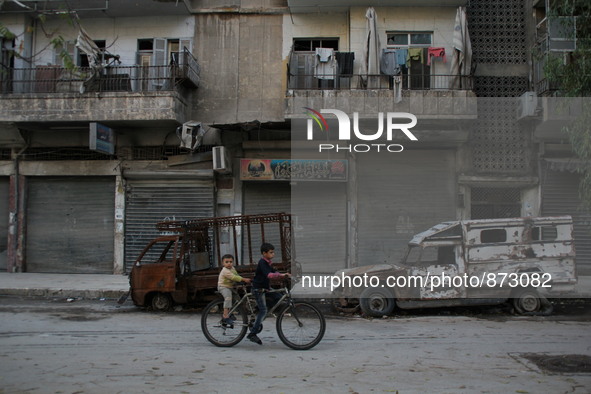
(95, 286)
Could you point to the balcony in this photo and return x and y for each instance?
(52, 93)
(436, 97)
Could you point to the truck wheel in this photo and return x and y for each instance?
(161, 302)
(376, 302)
(527, 301)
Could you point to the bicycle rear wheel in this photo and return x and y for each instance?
(301, 326)
(221, 334)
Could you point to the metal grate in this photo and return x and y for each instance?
(489, 86)
(498, 144)
(83, 153)
(490, 203)
(5, 154)
(497, 31)
(63, 153)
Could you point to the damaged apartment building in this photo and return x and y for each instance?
(188, 109)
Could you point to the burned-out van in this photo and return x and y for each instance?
(470, 262)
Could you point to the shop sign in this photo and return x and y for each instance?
(293, 170)
(101, 138)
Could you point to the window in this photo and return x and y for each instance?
(416, 71)
(302, 64)
(83, 57)
(544, 233)
(493, 235)
(310, 44)
(409, 39)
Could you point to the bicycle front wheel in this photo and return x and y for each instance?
(221, 334)
(301, 326)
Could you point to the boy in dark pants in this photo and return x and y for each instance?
(260, 284)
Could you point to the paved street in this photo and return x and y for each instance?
(54, 346)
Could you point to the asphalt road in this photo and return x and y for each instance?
(54, 346)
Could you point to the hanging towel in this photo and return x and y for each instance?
(345, 62)
(325, 64)
(415, 54)
(435, 52)
(401, 54)
(388, 62)
(397, 89)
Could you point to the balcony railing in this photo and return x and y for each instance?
(55, 79)
(380, 81)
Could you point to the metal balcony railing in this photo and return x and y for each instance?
(55, 79)
(379, 81)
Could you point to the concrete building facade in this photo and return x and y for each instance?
(243, 76)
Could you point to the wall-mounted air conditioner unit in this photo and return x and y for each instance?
(191, 135)
(222, 162)
(527, 105)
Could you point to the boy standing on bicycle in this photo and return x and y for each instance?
(228, 277)
(260, 284)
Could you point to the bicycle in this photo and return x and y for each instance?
(300, 325)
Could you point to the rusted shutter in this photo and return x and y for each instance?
(148, 202)
(560, 196)
(399, 195)
(70, 224)
(4, 183)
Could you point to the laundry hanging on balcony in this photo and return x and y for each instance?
(345, 61)
(415, 54)
(371, 54)
(389, 62)
(461, 61)
(435, 52)
(325, 63)
(401, 55)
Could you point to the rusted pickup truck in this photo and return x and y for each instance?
(471, 262)
(182, 265)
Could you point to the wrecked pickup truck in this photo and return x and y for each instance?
(182, 265)
(471, 262)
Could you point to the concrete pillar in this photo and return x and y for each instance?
(119, 236)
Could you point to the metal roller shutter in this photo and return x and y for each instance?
(260, 198)
(560, 196)
(4, 183)
(149, 202)
(70, 224)
(321, 231)
(400, 195)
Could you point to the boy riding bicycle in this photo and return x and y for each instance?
(260, 284)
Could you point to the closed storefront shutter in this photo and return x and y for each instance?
(319, 225)
(560, 196)
(400, 195)
(321, 231)
(70, 224)
(260, 198)
(149, 202)
(4, 182)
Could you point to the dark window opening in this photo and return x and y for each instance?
(310, 44)
(493, 235)
(83, 57)
(145, 44)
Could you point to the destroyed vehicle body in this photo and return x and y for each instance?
(472, 262)
(183, 264)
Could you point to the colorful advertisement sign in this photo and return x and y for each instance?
(293, 170)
